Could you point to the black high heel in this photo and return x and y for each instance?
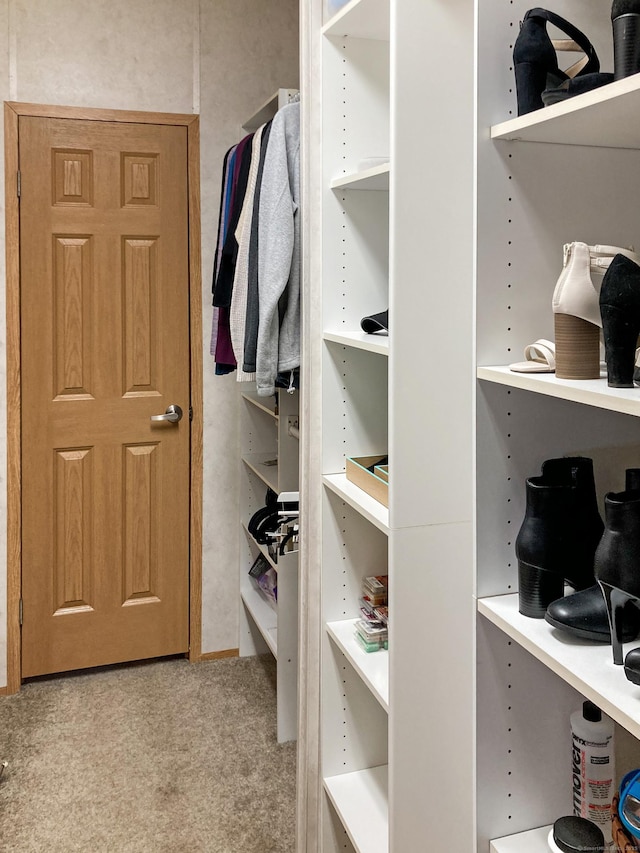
(620, 311)
(535, 62)
(559, 534)
(617, 561)
(625, 21)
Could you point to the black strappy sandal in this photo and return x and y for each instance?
(535, 61)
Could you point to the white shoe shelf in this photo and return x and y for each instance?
(468, 713)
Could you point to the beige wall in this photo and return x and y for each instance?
(218, 58)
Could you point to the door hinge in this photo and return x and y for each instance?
(19, 184)
(20, 611)
(190, 413)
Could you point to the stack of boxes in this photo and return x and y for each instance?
(371, 630)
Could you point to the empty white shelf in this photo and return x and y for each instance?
(362, 803)
(586, 666)
(263, 615)
(265, 404)
(376, 178)
(363, 503)
(366, 19)
(589, 119)
(533, 841)
(591, 392)
(372, 667)
(267, 473)
(360, 340)
(269, 109)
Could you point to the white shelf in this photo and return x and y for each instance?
(360, 340)
(363, 503)
(376, 178)
(533, 841)
(268, 109)
(591, 392)
(267, 473)
(263, 615)
(366, 19)
(607, 117)
(262, 548)
(361, 801)
(260, 403)
(372, 667)
(586, 666)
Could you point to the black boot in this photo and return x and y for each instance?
(584, 615)
(620, 310)
(559, 534)
(625, 20)
(617, 561)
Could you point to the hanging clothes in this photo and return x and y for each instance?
(279, 258)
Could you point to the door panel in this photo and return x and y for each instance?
(104, 346)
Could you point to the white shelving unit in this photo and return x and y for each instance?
(265, 436)
(268, 429)
(464, 245)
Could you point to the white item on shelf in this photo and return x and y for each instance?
(593, 766)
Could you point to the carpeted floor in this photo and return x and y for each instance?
(161, 757)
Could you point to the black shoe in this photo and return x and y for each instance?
(632, 666)
(620, 311)
(625, 20)
(535, 62)
(617, 561)
(584, 614)
(559, 534)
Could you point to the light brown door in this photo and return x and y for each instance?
(104, 347)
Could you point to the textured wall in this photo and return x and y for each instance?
(220, 58)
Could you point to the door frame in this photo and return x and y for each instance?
(12, 113)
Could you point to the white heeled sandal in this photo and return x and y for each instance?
(539, 358)
(576, 308)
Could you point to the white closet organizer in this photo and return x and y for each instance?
(269, 448)
(458, 738)
(564, 173)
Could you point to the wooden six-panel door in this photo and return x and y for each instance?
(104, 347)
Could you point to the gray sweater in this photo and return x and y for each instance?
(278, 347)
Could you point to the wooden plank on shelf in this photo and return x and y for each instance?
(592, 118)
(372, 667)
(262, 548)
(590, 392)
(361, 801)
(586, 666)
(366, 19)
(360, 340)
(533, 841)
(367, 506)
(262, 404)
(376, 178)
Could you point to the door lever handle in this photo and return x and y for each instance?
(173, 415)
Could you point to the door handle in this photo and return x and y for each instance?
(173, 415)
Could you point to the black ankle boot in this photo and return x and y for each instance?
(632, 666)
(559, 534)
(620, 310)
(535, 62)
(617, 561)
(584, 615)
(625, 20)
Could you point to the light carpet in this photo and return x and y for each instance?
(159, 757)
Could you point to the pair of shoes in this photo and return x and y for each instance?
(608, 611)
(595, 289)
(539, 80)
(534, 58)
(559, 534)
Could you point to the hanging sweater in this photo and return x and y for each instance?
(278, 347)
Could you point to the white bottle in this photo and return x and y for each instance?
(593, 766)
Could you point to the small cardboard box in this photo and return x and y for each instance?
(373, 484)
